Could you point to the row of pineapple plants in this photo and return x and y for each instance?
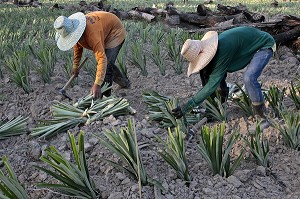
(74, 176)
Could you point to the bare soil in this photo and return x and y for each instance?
(281, 180)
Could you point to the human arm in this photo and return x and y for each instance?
(76, 59)
(100, 72)
(202, 94)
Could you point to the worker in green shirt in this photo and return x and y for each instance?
(216, 55)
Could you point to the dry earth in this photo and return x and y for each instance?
(282, 180)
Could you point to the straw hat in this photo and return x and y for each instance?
(200, 52)
(69, 30)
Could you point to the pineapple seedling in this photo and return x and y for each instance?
(74, 177)
(10, 187)
(216, 155)
(121, 60)
(275, 98)
(67, 68)
(290, 130)
(244, 102)
(47, 59)
(138, 58)
(18, 67)
(174, 153)
(158, 58)
(295, 92)
(174, 52)
(215, 109)
(124, 144)
(259, 146)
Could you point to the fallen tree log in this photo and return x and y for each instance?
(210, 21)
(141, 15)
(287, 36)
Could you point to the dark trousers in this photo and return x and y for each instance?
(112, 71)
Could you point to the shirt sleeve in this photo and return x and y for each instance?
(77, 55)
(214, 80)
(101, 63)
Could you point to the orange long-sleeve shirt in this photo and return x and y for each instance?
(103, 31)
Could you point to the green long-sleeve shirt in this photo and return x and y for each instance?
(236, 48)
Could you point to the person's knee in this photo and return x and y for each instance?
(247, 79)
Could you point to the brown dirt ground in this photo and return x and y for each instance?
(249, 180)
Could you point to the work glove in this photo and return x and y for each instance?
(177, 112)
(96, 92)
(75, 71)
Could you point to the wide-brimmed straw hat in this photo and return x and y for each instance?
(200, 52)
(69, 30)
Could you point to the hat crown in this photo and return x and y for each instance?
(191, 49)
(64, 26)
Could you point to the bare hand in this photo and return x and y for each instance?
(96, 92)
(75, 71)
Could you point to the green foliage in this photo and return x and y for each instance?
(158, 35)
(46, 56)
(49, 128)
(85, 111)
(144, 33)
(124, 144)
(13, 127)
(295, 92)
(18, 67)
(259, 146)
(290, 130)
(174, 52)
(121, 60)
(91, 65)
(138, 58)
(67, 68)
(160, 109)
(275, 98)
(174, 153)
(215, 109)
(158, 58)
(244, 102)
(10, 188)
(212, 150)
(74, 177)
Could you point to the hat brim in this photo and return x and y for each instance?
(66, 43)
(209, 44)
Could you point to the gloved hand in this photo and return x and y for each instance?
(75, 71)
(177, 112)
(96, 92)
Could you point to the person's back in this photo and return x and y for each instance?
(102, 27)
(101, 32)
(238, 45)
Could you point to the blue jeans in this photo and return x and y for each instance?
(253, 71)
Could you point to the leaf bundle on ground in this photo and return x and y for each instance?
(13, 127)
(160, 108)
(85, 111)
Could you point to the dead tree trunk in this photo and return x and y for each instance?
(287, 36)
(209, 21)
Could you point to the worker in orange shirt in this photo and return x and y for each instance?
(101, 32)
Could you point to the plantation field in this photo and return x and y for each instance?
(32, 69)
